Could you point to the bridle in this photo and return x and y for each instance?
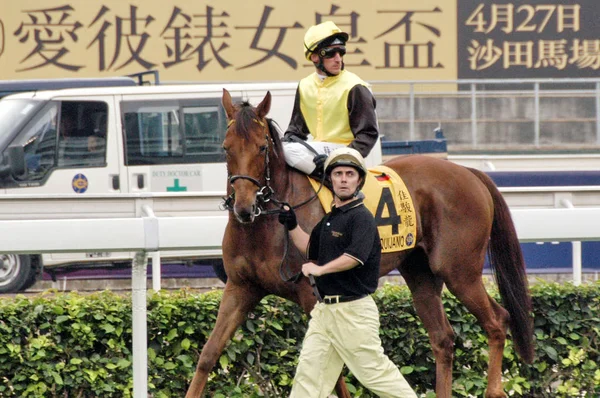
(266, 193)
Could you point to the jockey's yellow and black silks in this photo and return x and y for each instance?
(324, 105)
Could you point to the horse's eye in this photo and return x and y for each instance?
(263, 148)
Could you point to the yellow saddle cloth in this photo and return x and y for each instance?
(387, 197)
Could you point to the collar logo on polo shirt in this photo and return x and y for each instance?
(336, 234)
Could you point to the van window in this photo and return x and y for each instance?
(65, 134)
(14, 113)
(168, 132)
(152, 130)
(203, 132)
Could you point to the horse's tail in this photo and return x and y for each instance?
(506, 260)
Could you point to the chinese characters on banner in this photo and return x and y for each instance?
(527, 39)
(229, 40)
(1, 38)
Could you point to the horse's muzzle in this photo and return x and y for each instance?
(246, 215)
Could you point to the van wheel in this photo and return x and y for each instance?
(15, 272)
(36, 271)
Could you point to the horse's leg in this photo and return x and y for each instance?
(340, 388)
(469, 289)
(236, 302)
(426, 291)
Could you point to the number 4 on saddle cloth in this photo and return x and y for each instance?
(388, 199)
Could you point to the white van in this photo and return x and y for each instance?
(79, 144)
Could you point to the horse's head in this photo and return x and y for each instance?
(249, 146)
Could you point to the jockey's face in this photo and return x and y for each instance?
(334, 59)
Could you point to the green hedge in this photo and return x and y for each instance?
(72, 345)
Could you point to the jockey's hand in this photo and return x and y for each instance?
(319, 161)
(287, 217)
(287, 137)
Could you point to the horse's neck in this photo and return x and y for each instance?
(298, 190)
(289, 185)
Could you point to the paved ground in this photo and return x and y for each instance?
(207, 284)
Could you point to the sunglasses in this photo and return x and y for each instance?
(331, 51)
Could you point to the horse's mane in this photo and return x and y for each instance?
(244, 118)
(274, 132)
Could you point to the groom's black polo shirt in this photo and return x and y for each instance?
(349, 230)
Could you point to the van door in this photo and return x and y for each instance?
(70, 147)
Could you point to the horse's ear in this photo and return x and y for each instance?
(227, 104)
(263, 108)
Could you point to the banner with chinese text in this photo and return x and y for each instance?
(528, 39)
(233, 40)
(224, 40)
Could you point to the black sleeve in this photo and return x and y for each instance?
(363, 119)
(363, 232)
(297, 124)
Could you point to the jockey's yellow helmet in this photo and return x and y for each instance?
(346, 157)
(322, 35)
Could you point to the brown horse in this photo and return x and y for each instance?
(460, 215)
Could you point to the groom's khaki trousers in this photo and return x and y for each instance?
(346, 333)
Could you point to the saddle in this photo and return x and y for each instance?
(390, 202)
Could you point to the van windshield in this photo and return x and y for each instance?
(13, 114)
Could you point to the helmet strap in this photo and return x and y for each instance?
(319, 65)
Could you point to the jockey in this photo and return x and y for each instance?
(333, 107)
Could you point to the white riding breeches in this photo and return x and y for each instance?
(301, 158)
